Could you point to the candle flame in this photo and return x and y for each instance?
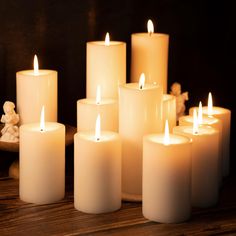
(36, 65)
(107, 39)
(167, 134)
(98, 95)
(42, 120)
(195, 122)
(200, 113)
(141, 81)
(210, 105)
(150, 27)
(98, 128)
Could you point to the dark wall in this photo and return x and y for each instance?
(202, 43)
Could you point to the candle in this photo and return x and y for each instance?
(42, 162)
(205, 159)
(140, 108)
(106, 66)
(35, 88)
(210, 121)
(166, 177)
(169, 110)
(88, 110)
(149, 54)
(225, 116)
(97, 171)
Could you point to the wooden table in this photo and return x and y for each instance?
(60, 218)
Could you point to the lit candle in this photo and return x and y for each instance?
(35, 88)
(149, 55)
(169, 110)
(88, 110)
(97, 171)
(42, 162)
(225, 116)
(166, 177)
(205, 159)
(106, 66)
(140, 108)
(210, 121)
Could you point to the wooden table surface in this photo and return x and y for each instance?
(60, 218)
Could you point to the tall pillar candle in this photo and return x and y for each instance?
(224, 115)
(149, 55)
(169, 110)
(97, 172)
(106, 66)
(35, 88)
(42, 163)
(166, 178)
(205, 158)
(139, 114)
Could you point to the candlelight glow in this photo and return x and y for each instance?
(150, 27)
(98, 95)
(200, 113)
(141, 81)
(107, 39)
(42, 120)
(98, 128)
(167, 134)
(195, 122)
(210, 105)
(36, 65)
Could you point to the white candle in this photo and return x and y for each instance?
(139, 114)
(149, 55)
(166, 178)
(169, 110)
(88, 110)
(42, 162)
(106, 66)
(35, 88)
(225, 116)
(205, 159)
(97, 171)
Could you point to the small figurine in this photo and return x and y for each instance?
(180, 99)
(10, 131)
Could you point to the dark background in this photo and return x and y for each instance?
(201, 54)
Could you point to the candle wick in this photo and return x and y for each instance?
(98, 139)
(150, 33)
(41, 130)
(98, 103)
(141, 86)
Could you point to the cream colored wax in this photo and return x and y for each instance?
(33, 90)
(224, 115)
(139, 114)
(42, 163)
(149, 55)
(88, 110)
(205, 159)
(166, 178)
(97, 172)
(106, 66)
(169, 110)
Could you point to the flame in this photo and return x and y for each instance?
(107, 39)
(36, 65)
(42, 120)
(98, 128)
(200, 113)
(141, 81)
(195, 122)
(98, 95)
(150, 27)
(167, 134)
(210, 105)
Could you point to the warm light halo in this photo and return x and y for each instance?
(195, 121)
(150, 27)
(141, 81)
(200, 113)
(167, 134)
(107, 39)
(98, 95)
(36, 65)
(210, 105)
(42, 119)
(98, 128)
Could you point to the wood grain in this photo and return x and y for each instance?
(60, 218)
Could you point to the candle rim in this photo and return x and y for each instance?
(31, 72)
(102, 43)
(189, 118)
(147, 87)
(153, 35)
(205, 109)
(92, 101)
(200, 128)
(35, 127)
